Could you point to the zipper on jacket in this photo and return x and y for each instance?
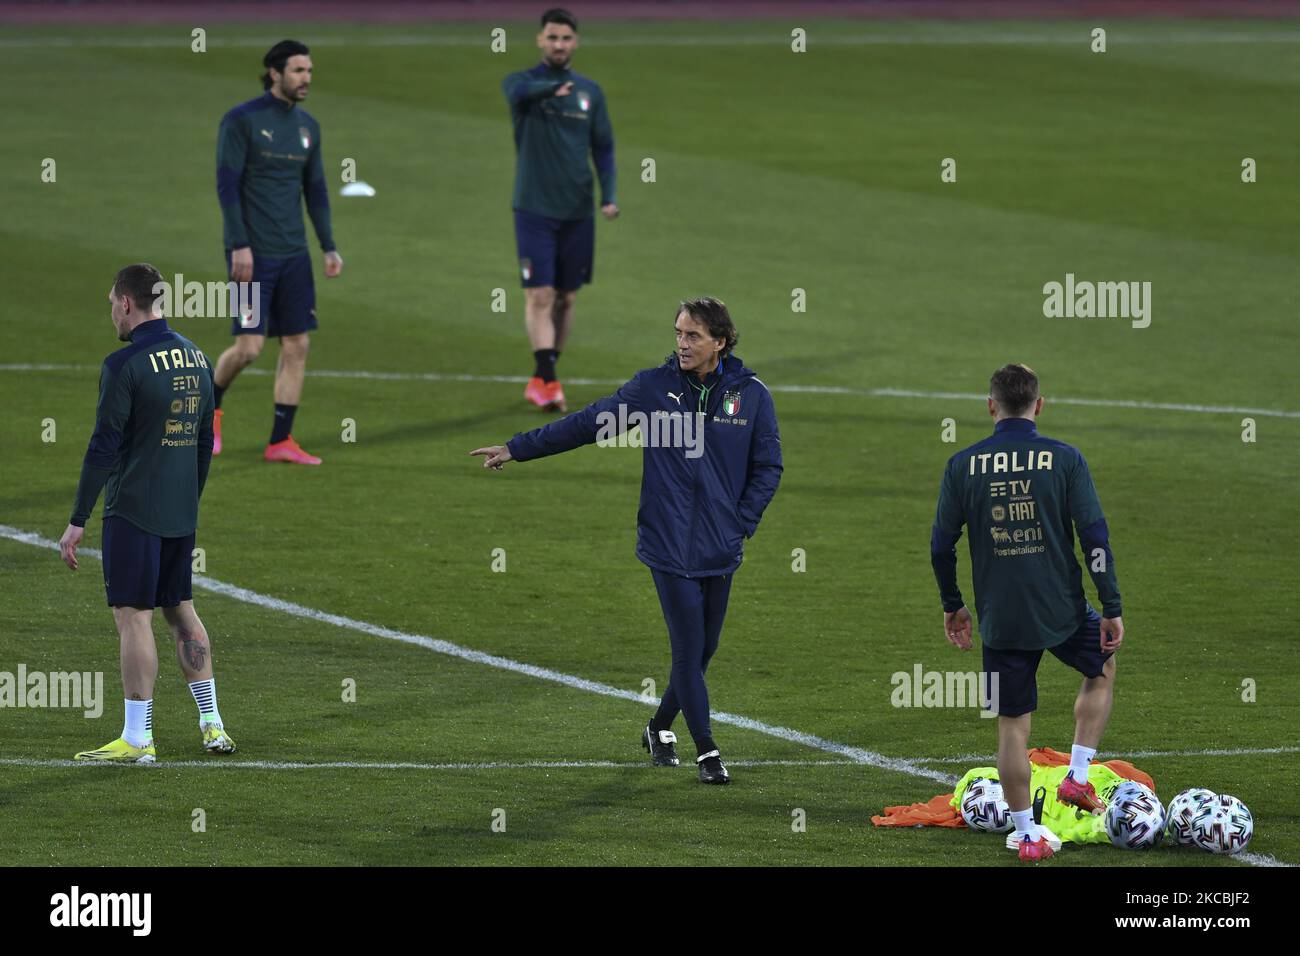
(695, 484)
(703, 406)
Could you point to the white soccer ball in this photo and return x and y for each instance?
(1223, 825)
(983, 808)
(1120, 789)
(1135, 819)
(1182, 810)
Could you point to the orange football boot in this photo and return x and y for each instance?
(555, 392)
(1032, 852)
(1080, 795)
(537, 392)
(290, 451)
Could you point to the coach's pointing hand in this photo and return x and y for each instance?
(497, 456)
(956, 625)
(1112, 634)
(564, 89)
(68, 545)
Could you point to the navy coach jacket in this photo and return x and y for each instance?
(698, 503)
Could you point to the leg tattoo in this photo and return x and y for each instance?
(193, 651)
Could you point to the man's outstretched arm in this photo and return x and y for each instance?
(573, 431)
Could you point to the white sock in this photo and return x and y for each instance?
(138, 731)
(205, 695)
(1026, 829)
(1080, 757)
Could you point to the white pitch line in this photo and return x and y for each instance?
(1261, 859)
(985, 759)
(222, 763)
(44, 367)
(794, 389)
(855, 754)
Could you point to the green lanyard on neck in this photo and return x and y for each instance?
(706, 389)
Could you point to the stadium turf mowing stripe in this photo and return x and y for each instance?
(854, 754)
(550, 764)
(553, 764)
(796, 389)
(222, 763)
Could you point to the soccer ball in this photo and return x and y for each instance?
(1119, 790)
(1135, 819)
(983, 808)
(1222, 825)
(1182, 810)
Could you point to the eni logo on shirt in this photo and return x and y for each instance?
(167, 360)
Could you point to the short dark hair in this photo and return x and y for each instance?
(278, 56)
(712, 314)
(139, 283)
(560, 15)
(1014, 388)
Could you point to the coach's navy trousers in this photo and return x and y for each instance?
(693, 609)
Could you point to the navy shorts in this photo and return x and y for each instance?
(286, 301)
(1017, 688)
(554, 252)
(143, 570)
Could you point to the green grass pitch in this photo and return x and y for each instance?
(774, 171)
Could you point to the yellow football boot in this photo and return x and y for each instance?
(119, 751)
(216, 740)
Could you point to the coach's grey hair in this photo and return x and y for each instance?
(712, 314)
